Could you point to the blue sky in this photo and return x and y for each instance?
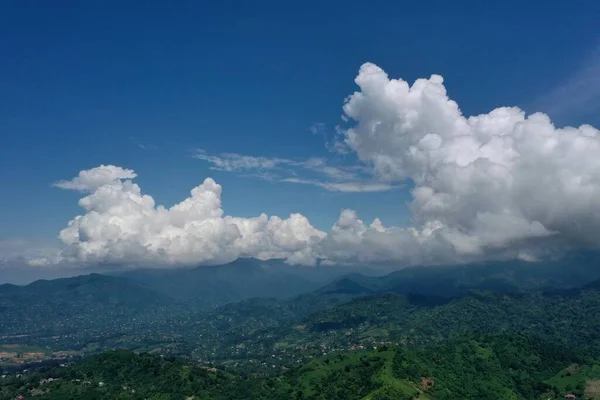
(144, 85)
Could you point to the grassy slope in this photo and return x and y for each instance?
(578, 378)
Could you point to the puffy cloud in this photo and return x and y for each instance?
(27, 252)
(488, 182)
(122, 225)
(92, 179)
(501, 184)
(351, 240)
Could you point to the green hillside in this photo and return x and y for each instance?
(468, 367)
(302, 325)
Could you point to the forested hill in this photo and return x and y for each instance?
(92, 288)
(572, 271)
(568, 316)
(469, 367)
(255, 330)
(208, 286)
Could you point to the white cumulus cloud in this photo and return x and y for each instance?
(501, 184)
(487, 182)
(123, 225)
(89, 180)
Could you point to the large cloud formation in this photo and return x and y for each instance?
(122, 225)
(488, 182)
(501, 184)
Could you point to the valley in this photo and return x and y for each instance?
(352, 317)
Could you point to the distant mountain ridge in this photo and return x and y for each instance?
(210, 286)
(56, 305)
(199, 287)
(498, 276)
(97, 287)
(244, 278)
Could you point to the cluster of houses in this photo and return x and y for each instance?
(48, 380)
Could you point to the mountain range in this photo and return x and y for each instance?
(572, 271)
(211, 286)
